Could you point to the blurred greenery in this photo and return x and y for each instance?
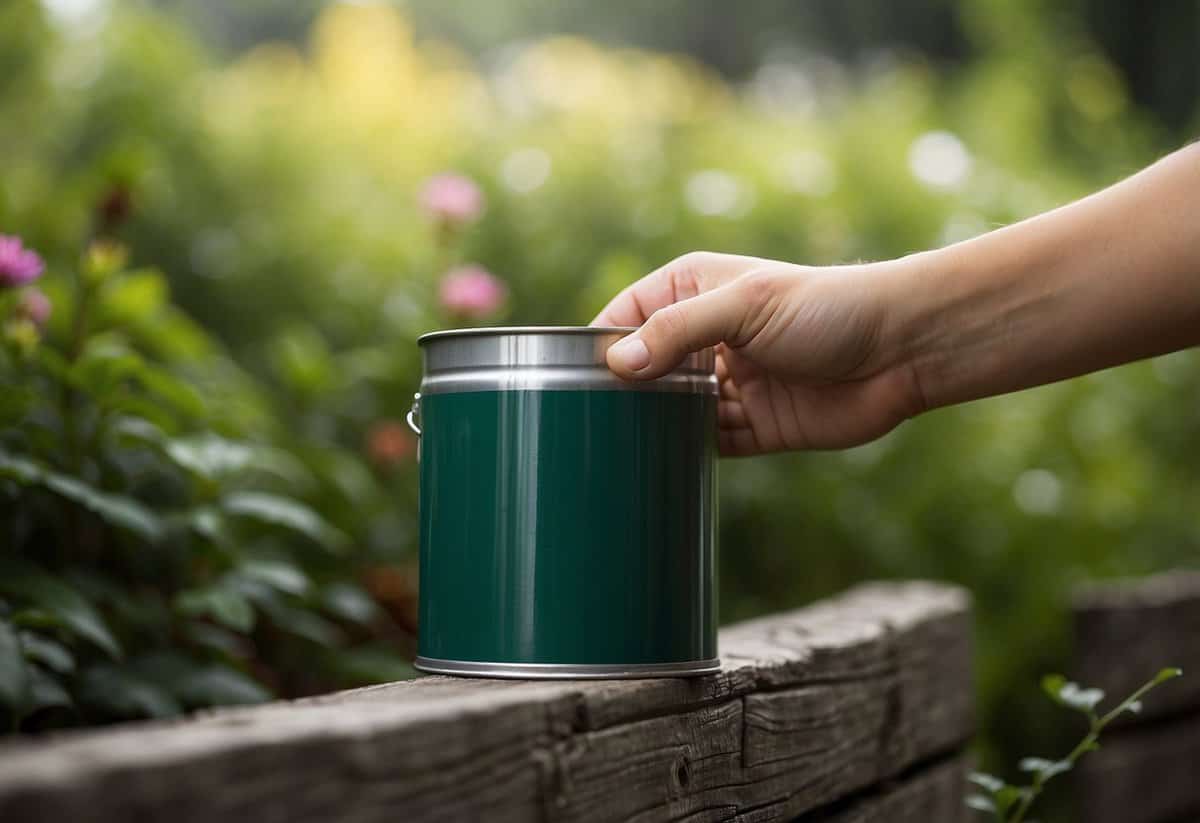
(207, 498)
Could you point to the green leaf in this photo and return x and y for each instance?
(217, 685)
(1052, 685)
(45, 691)
(197, 684)
(1167, 674)
(275, 573)
(14, 676)
(349, 602)
(104, 366)
(989, 782)
(218, 639)
(305, 624)
(135, 296)
(981, 803)
(1069, 694)
(122, 512)
(23, 581)
(120, 691)
(220, 602)
(139, 429)
(1006, 797)
(281, 511)
(369, 664)
(1079, 698)
(166, 386)
(208, 522)
(208, 455)
(16, 402)
(50, 653)
(1047, 768)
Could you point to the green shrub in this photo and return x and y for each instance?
(279, 196)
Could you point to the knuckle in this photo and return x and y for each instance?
(695, 263)
(759, 292)
(670, 322)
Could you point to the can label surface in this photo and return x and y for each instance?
(567, 527)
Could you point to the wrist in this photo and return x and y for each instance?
(913, 335)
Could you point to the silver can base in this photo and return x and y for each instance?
(568, 671)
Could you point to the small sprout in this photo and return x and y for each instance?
(1011, 804)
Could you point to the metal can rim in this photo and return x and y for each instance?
(501, 358)
(441, 334)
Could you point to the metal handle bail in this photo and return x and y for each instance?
(413, 413)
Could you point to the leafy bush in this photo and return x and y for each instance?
(159, 555)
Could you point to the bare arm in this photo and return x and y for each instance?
(1112, 278)
(830, 357)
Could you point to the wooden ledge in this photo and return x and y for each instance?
(853, 709)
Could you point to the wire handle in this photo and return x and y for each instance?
(413, 413)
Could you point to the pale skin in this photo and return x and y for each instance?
(824, 358)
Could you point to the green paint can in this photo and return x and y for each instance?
(566, 516)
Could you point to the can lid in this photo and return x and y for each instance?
(511, 330)
(544, 357)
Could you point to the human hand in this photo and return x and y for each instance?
(803, 355)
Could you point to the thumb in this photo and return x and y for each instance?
(676, 330)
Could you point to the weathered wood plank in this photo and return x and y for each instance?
(1125, 631)
(810, 707)
(1143, 774)
(932, 793)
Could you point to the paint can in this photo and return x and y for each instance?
(566, 515)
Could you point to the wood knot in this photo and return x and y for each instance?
(681, 774)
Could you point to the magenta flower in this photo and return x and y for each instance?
(18, 265)
(472, 291)
(452, 198)
(34, 306)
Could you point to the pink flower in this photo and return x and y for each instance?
(472, 291)
(18, 265)
(34, 306)
(452, 198)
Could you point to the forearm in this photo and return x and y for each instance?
(1110, 279)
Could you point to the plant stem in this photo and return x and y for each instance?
(1097, 725)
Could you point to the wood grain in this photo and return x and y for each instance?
(863, 699)
(1143, 774)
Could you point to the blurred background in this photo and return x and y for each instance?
(249, 211)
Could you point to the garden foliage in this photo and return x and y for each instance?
(206, 494)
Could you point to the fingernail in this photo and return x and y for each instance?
(632, 353)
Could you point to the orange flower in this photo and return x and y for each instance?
(389, 443)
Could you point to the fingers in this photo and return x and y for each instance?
(675, 330)
(680, 279)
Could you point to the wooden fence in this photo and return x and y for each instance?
(1148, 769)
(853, 710)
